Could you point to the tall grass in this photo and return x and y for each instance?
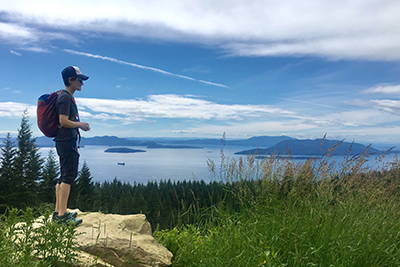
(26, 240)
(308, 213)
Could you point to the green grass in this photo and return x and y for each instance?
(288, 233)
(346, 218)
(22, 244)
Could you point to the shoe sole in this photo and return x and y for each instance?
(72, 214)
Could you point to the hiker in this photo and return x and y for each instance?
(67, 139)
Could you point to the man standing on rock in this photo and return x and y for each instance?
(67, 142)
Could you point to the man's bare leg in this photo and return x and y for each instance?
(57, 208)
(64, 190)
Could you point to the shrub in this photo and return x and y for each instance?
(29, 241)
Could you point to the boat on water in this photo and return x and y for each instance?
(121, 163)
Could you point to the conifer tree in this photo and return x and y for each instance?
(49, 175)
(27, 165)
(6, 172)
(84, 188)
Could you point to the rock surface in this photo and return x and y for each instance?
(115, 240)
(120, 240)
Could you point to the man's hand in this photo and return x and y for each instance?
(84, 126)
(66, 123)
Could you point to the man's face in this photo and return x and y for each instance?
(76, 83)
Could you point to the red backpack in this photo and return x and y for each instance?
(47, 117)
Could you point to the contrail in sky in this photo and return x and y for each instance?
(143, 67)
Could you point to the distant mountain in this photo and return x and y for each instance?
(44, 141)
(263, 144)
(112, 141)
(156, 145)
(158, 139)
(257, 141)
(261, 141)
(97, 141)
(384, 147)
(312, 147)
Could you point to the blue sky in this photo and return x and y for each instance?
(201, 68)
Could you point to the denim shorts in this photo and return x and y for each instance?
(69, 160)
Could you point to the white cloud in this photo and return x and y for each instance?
(366, 29)
(372, 47)
(155, 107)
(142, 67)
(388, 105)
(84, 115)
(359, 117)
(384, 89)
(253, 128)
(15, 109)
(177, 107)
(29, 38)
(12, 32)
(15, 53)
(378, 123)
(36, 49)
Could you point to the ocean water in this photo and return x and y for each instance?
(163, 164)
(154, 164)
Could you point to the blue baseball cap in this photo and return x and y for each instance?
(73, 72)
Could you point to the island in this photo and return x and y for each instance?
(122, 150)
(316, 147)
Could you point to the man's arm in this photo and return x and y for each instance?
(66, 123)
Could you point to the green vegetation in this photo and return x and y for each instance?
(300, 215)
(21, 244)
(273, 212)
